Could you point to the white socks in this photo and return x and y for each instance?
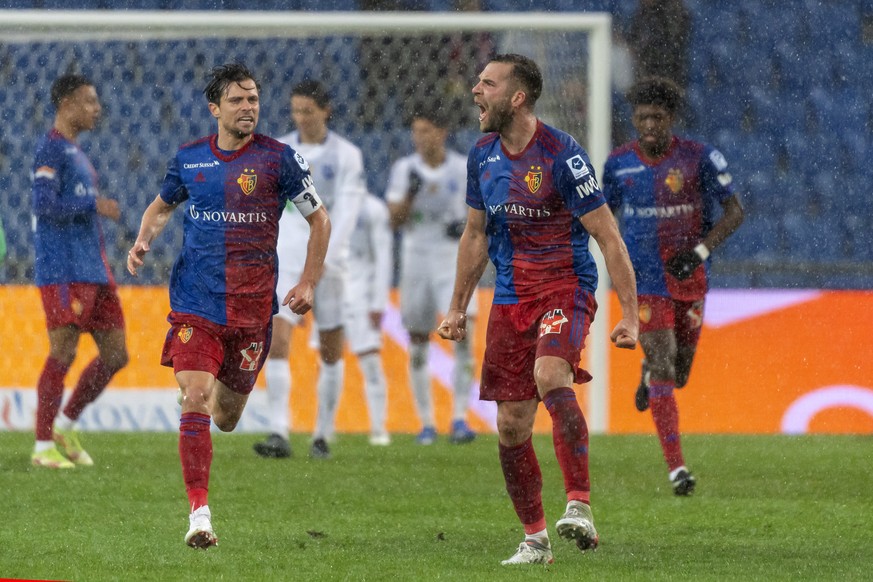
(62, 422)
(330, 384)
(375, 391)
(278, 375)
(419, 376)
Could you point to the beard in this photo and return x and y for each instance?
(499, 118)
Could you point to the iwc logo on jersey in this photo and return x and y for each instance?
(552, 322)
(247, 181)
(534, 178)
(674, 180)
(185, 333)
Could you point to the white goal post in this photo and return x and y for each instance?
(589, 120)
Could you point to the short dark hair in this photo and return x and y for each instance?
(223, 76)
(314, 90)
(436, 115)
(526, 72)
(66, 85)
(659, 91)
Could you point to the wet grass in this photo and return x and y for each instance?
(767, 508)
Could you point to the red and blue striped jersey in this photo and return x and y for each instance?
(68, 239)
(532, 203)
(227, 269)
(666, 206)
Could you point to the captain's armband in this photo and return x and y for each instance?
(307, 201)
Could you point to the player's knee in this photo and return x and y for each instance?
(116, 360)
(225, 422)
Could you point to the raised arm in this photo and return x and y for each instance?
(154, 219)
(601, 225)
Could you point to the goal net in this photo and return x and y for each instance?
(150, 69)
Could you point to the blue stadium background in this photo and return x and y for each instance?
(783, 88)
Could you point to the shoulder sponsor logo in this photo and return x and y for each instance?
(578, 167)
(588, 188)
(71, 150)
(247, 181)
(534, 178)
(304, 165)
(489, 160)
(198, 165)
(718, 160)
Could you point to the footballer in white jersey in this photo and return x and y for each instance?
(337, 167)
(426, 195)
(429, 249)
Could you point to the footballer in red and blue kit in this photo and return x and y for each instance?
(666, 206)
(227, 270)
(68, 239)
(532, 203)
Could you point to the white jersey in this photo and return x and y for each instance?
(337, 167)
(440, 201)
(369, 275)
(429, 252)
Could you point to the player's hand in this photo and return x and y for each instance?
(108, 208)
(299, 299)
(376, 319)
(454, 326)
(135, 255)
(683, 264)
(625, 334)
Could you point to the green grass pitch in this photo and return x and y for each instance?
(766, 508)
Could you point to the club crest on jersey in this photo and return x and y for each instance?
(534, 178)
(77, 307)
(552, 322)
(185, 333)
(247, 181)
(674, 180)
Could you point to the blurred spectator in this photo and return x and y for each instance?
(659, 37)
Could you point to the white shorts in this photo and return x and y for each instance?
(327, 309)
(426, 286)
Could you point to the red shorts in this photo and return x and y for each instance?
(684, 317)
(234, 355)
(517, 335)
(88, 306)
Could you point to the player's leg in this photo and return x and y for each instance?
(63, 341)
(364, 335)
(195, 451)
(418, 311)
(563, 323)
(689, 322)
(524, 480)
(329, 313)
(277, 373)
(659, 346)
